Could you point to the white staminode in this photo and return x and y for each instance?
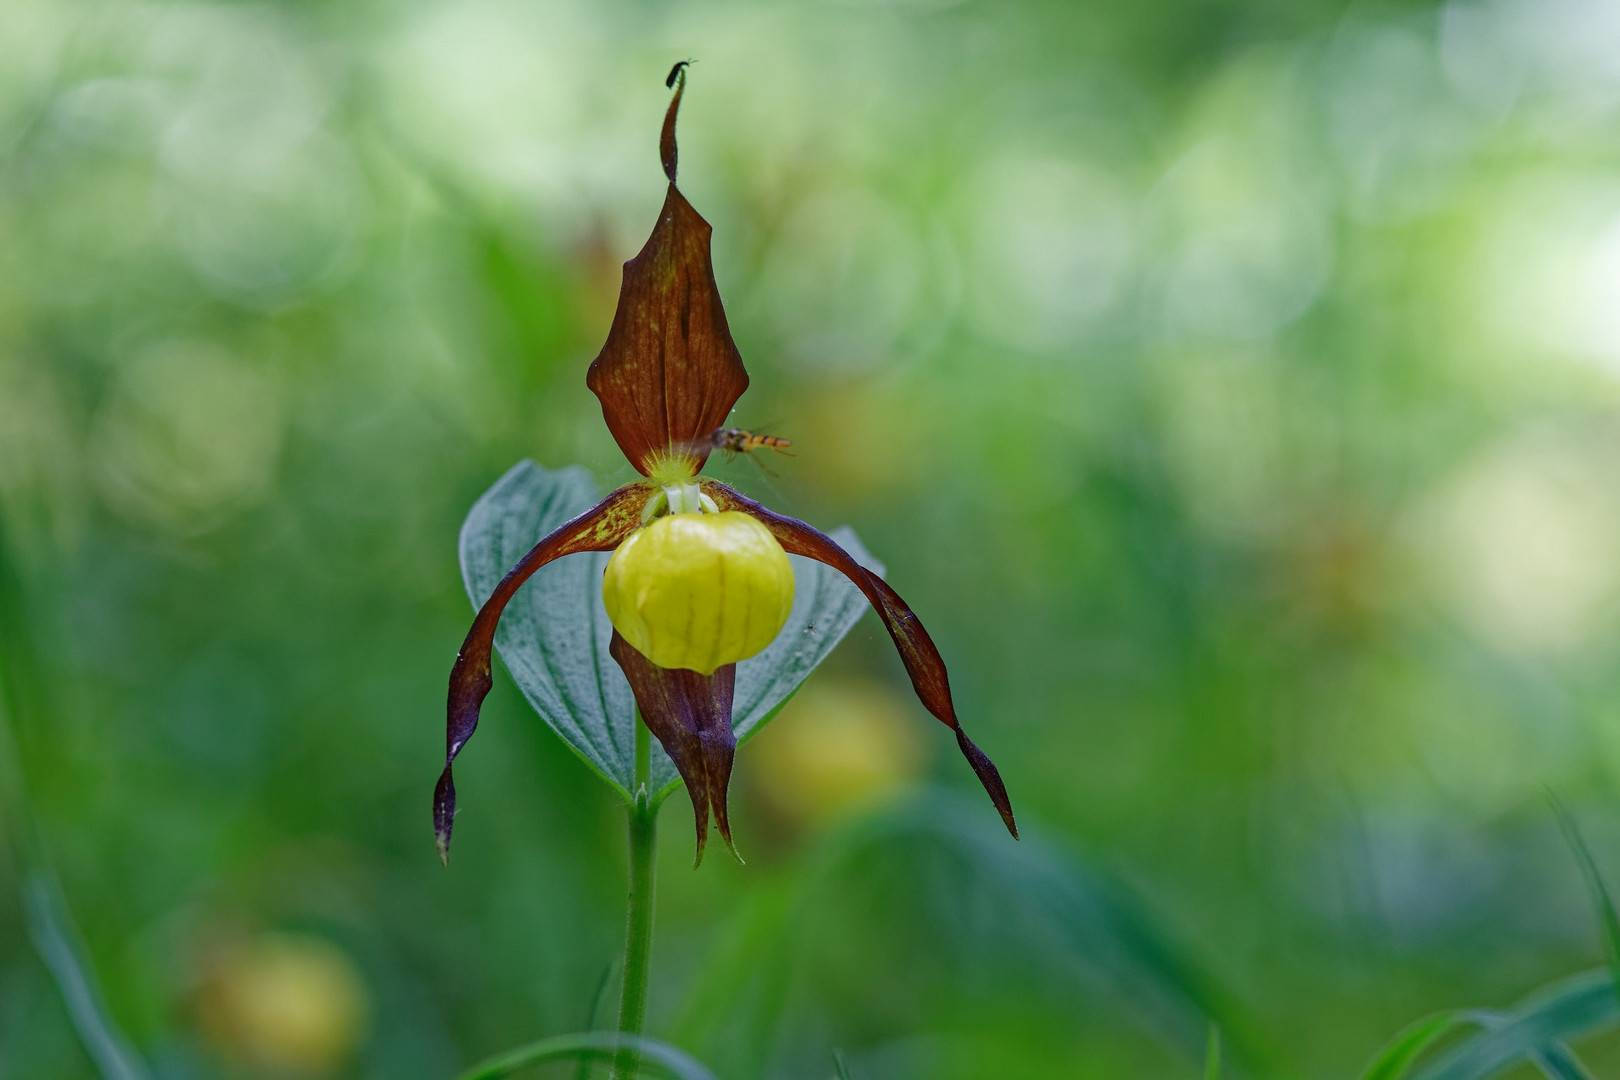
(682, 498)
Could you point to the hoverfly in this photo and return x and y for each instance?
(739, 441)
(734, 441)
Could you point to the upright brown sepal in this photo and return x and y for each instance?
(690, 714)
(669, 373)
(601, 528)
(917, 650)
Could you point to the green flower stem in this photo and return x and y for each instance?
(639, 921)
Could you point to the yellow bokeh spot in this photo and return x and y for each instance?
(838, 746)
(699, 591)
(284, 1004)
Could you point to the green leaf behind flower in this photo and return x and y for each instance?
(554, 635)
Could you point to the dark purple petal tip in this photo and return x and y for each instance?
(444, 813)
(990, 777)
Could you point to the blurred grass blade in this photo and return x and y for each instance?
(1396, 1059)
(50, 925)
(658, 1057)
(585, 1064)
(51, 928)
(1561, 1012)
(1557, 1062)
(1212, 1054)
(840, 1066)
(1594, 886)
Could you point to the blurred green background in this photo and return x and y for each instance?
(1233, 388)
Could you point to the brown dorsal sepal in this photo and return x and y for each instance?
(669, 372)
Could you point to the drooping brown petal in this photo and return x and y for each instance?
(690, 713)
(669, 373)
(923, 662)
(601, 528)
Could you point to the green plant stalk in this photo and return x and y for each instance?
(639, 919)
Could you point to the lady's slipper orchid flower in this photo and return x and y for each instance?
(699, 591)
(699, 578)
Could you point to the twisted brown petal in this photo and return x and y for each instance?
(917, 651)
(601, 528)
(669, 372)
(690, 713)
(667, 151)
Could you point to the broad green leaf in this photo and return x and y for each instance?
(1396, 1059)
(657, 1058)
(554, 635)
(1562, 1011)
